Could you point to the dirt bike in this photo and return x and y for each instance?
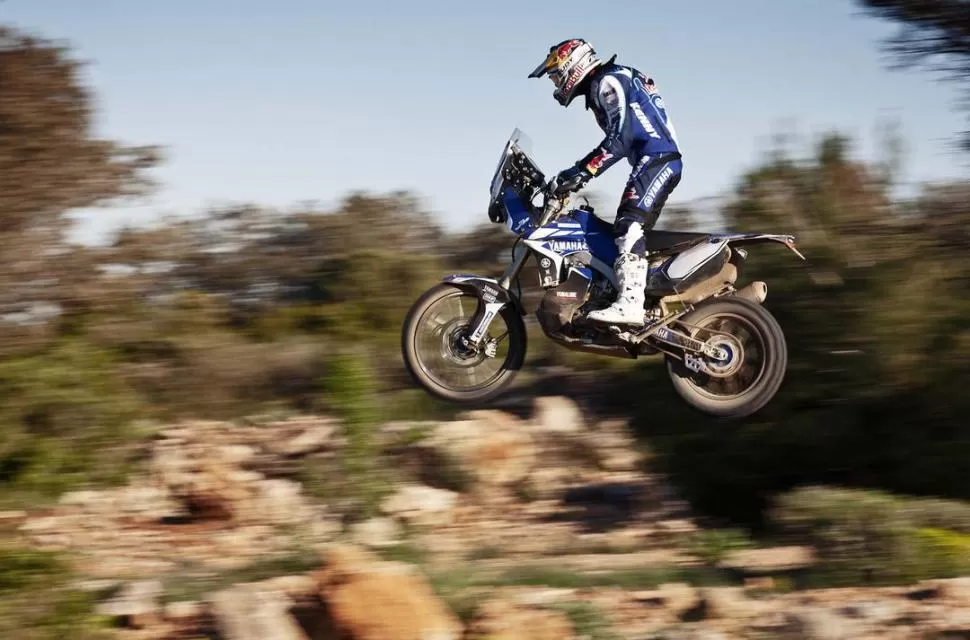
(464, 340)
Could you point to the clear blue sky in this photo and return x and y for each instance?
(291, 100)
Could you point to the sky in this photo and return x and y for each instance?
(284, 102)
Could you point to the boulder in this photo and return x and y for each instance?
(557, 414)
(491, 448)
(421, 505)
(254, 612)
(506, 620)
(137, 604)
(355, 584)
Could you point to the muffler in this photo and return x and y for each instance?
(756, 292)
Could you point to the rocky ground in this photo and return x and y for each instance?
(495, 526)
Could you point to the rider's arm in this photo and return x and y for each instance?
(611, 100)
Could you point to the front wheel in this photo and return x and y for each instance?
(434, 355)
(748, 378)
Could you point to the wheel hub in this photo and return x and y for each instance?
(726, 357)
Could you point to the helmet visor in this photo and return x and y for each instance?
(544, 66)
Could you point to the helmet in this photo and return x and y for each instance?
(568, 64)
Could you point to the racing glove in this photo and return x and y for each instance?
(570, 180)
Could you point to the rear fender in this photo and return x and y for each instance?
(741, 239)
(492, 298)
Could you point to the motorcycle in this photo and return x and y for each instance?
(464, 340)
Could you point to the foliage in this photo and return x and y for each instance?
(36, 601)
(712, 545)
(65, 419)
(931, 33)
(873, 537)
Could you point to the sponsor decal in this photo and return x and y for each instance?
(561, 246)
(481, 328)
(597, 162)
(546, 263)
(489, 294)
(657, 185)
(644, 120)
(567, 294)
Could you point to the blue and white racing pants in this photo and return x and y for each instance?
(651, 182)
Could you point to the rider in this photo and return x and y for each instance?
(632, 114)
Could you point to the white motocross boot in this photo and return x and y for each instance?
(631, 275)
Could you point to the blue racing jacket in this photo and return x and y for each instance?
(630, 111)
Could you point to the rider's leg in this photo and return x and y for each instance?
(643, 199)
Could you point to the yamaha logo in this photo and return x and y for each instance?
(546, 263)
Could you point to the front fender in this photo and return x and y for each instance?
(488, 290)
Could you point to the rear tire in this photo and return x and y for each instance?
(420, 366)
(700, 390)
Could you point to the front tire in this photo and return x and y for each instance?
(438, 364)
(750, 377)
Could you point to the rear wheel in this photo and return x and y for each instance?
(437, 360)
(751, 374)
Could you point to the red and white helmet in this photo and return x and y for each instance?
(568, 64)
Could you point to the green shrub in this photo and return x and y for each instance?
(36, 602)
(874, 537)
(712, 545)
(65, 421)
(352, 392)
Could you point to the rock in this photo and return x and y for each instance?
(281, 501)
(295, 586)
(137, 604)
(954, 624)
(557, 414)
(12, 517)
(236, 454)
(97, 586)
(770, 560)
(820, 624)
(208, 480)
(873, 611)
(955, 589)
(727, 603)
(676, 527)
(421, 504)
(491, 447)
(678, 598)
(354, 585)
(306, 435)
(504, 620)
(613, 447)
(376, 532)
(85, 500)
(545, 596)
(548, 483)
(183, 611)
(252, 612)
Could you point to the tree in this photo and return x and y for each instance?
(51, 162)
(932, 33)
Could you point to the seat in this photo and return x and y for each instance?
(664, 241)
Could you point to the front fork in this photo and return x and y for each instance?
(495, 295)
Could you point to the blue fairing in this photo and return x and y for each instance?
(579, 231)
(518, 221)
(599, 235)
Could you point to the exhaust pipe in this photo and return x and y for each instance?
(756, 292)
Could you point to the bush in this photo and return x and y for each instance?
(353, 394)
(712, 545)
(874, 537)
(36, 602)
(66, 420)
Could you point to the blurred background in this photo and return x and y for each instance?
(224, 209)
